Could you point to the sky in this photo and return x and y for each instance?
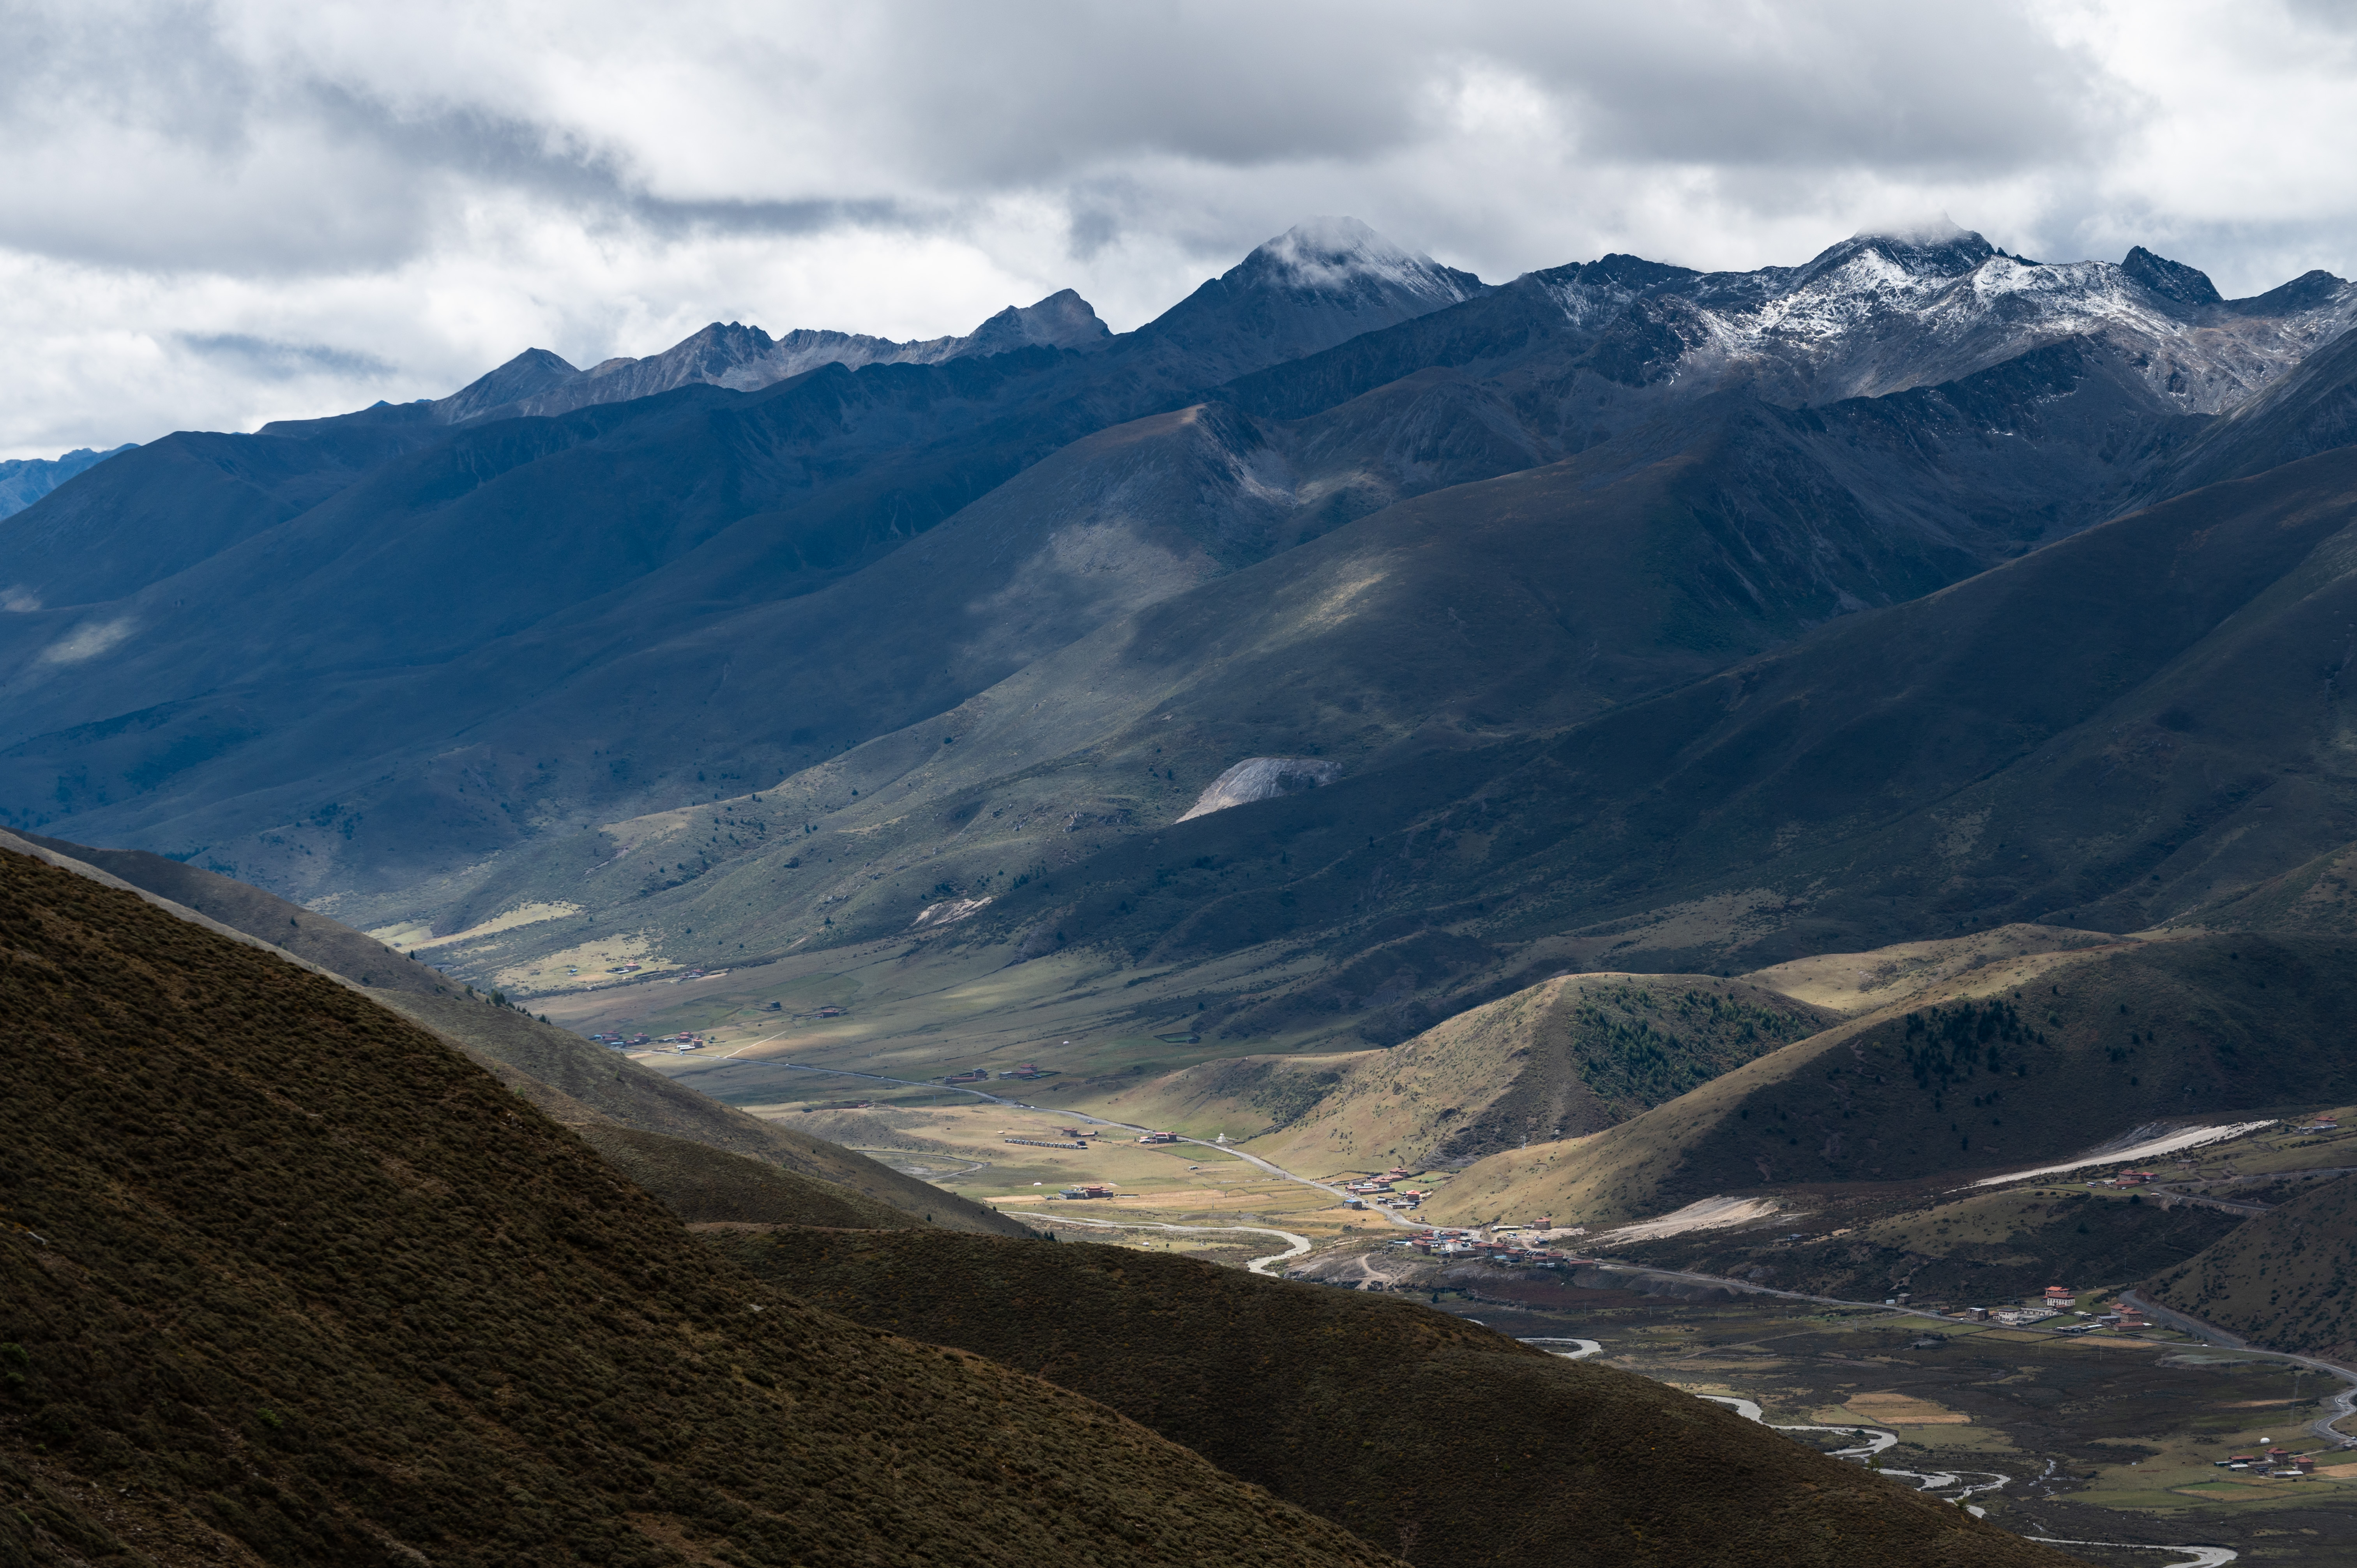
(216, 215)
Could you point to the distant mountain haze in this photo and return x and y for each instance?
(746, 359)
(23, 480)
(1031, 590)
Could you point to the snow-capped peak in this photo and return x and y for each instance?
(1337, 252)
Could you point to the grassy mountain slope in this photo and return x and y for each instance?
(634, 1096)
(2033, 1059)
(2286, 1280)
(285, 925)
(2099, 735)
(705, 1186)
(587, 672)
(94, 538)
(284, 1279)
(1598, 580)
(1984, 1249)
(552, 1067)
(1854, 982)
(592, 535)
(1421, 1432)
(1567, 1056)
(2313, 896)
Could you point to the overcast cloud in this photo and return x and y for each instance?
(214, 215)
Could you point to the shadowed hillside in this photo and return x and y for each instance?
(288, 925)
(1567, 1056)
(1422, 1432)
(2286, 1280)
(1963, 1249)
(284, 1279)
(635, 1096)
(571, 1079)
(705, 1186)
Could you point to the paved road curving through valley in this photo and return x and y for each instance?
(2203, 1556)
(1299, 1244)
(1581, 1348)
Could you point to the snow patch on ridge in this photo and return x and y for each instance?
(1262, 778)
(1331, 254)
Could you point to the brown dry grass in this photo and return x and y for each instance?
(1426, 1433)
(284, 1279)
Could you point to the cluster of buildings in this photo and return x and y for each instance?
(2057, 1301)
(1381, 1191)
(678, 1042)
(1023, 1071)
(1503, 1244)
(2280, 1463)
(1088, 1189)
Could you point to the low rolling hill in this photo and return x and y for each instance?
(1569, 1056)
(1849, 984)
(283, 1278)
(2029, 1060)
(2283, 1280)
(1423, 1433)
(1961, 1251)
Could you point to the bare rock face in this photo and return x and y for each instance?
(1262, 778)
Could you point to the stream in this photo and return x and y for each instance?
(1959, 1486)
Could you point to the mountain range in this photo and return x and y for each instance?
(1548, 587)
(1828, 745)
(295, 1269)
(23, 480)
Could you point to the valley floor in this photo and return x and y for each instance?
(2094, 1441)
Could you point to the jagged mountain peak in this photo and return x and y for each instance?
(2170, 280)
(529, 374)
(746, 359)
(1317, 285)
(1928, 251)
(1063, 320)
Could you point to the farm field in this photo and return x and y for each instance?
(964, 1149)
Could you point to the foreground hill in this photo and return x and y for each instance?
(2281, 1280)
(284, 1279)
(572, 1081)
(2038, 1058)
(1428, 1435)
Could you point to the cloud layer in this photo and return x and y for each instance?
(217, 214)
